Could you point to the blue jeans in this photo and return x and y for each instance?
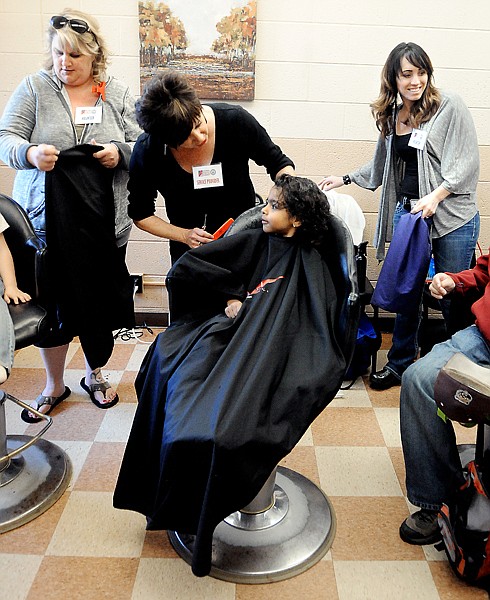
(433, 467)
(452, 252)
(7, 338)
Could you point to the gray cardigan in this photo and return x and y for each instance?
(38, 112)
(450, 157)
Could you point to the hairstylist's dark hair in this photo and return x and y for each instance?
(168, 108)
(384, 106)
(304, 200)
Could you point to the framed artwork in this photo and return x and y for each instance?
(212, 42)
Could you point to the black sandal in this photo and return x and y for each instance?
(51, 401)
(98, 387)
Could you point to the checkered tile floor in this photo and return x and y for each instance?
(82, 548)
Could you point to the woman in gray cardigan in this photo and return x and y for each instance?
(71, 103)
(426, 159)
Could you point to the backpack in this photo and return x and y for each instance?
(465, 529)
(368, 343)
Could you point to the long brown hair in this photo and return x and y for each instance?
(384, 107)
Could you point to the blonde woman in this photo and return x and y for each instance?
(426, 159)
(71, 117)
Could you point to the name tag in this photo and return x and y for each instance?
(418, 139)
(88, 114)
(207, 176)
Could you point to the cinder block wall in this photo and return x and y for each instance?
(317, 70)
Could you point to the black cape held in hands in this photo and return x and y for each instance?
(222, 401)
(91, 290)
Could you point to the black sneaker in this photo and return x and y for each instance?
(421, 528)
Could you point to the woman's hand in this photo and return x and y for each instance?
(233, 308)
(331, 182)
(196, 237)
(441, 285)
(43, 156)
(13, 294)
(109, 157)
(428, 204)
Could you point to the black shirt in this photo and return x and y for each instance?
(238, 138)
(410, 183)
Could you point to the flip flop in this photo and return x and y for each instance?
(41, 400)
(98, 387)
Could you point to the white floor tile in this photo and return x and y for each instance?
(17, 572)
(172, 579)
(357, 471)
(116, 424)
(389, 422)
(390, 580)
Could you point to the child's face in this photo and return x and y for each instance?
(275, 217)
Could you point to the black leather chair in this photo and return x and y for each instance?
(34, 472)
(290, 524)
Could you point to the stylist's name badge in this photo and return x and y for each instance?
(418, 139)
(207, 176)
(88, 114)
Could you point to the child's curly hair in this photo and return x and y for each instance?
(304, 200)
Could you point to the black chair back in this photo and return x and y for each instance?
(29, 256)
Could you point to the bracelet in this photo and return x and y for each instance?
(346, 179)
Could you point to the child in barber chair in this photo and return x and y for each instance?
(249, 361)
(9, 292)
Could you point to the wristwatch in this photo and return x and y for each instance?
(346, 179)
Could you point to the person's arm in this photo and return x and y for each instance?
(428, 204)
(452, 142)
(16, 127)
(289, 170)
(476, 278)
(7, 273)
(142, 197)
(261, 149)
(157, 226)
(369, 176)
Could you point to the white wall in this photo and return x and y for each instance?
(317, 70)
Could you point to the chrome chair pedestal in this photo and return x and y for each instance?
(34, 473)
(294, 531)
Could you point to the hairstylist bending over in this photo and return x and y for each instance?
(426, 160)
(43, 122)
(197, 157)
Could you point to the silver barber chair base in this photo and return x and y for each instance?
(43, 473)
(280, 542)
(32, 480)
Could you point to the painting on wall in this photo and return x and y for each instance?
(212, 42)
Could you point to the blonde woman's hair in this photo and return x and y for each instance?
(384, 107)
(90, 43)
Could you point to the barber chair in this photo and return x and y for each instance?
(290, 525)
(34, 472)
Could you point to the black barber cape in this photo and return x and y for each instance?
(222, 401)
(89, 281)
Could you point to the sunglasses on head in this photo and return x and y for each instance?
(77, 25)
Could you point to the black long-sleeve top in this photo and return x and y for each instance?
(239, 137)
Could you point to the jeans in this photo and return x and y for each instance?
(433, 467)
(7, 338)
(452, 252)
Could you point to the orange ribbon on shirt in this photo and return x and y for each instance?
(99, 89)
